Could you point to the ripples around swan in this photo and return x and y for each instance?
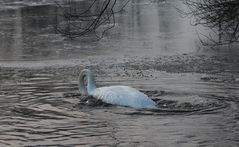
(47, 110)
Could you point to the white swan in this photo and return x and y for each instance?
(117, 95)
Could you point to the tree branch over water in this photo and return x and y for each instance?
(221, 16)
(88, 17)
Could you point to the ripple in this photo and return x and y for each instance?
(167, 103)
(34, 113)
(51, 112)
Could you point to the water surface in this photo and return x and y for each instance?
(144, 27)
(42, 109)
(40, 104)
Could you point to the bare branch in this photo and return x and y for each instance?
(221, 16)
(96, 18)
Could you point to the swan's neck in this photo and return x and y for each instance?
(90, 83)
(82, 87)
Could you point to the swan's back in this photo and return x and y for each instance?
(125, 96)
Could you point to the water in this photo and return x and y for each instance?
(28, 33)
(42, 109)
(39, 100)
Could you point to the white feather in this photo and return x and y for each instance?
(117, 95)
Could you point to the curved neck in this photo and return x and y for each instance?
(90, 82)
(82, 87)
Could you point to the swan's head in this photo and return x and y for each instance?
(86, 82)
(83, 82)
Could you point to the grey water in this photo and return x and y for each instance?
(41, 106)
(144, 27)
(42, 109)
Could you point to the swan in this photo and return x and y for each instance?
(116, 95)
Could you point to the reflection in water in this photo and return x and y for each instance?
(17, 37)
(26, 37)
(143, 28)
(160, 30)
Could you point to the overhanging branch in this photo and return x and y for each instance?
(97, 17)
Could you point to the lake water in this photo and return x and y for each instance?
(39, 100)
(144, 27)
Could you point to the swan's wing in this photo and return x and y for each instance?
(123, 95)
(110, 95)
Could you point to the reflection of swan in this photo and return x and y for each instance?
(117, 95)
